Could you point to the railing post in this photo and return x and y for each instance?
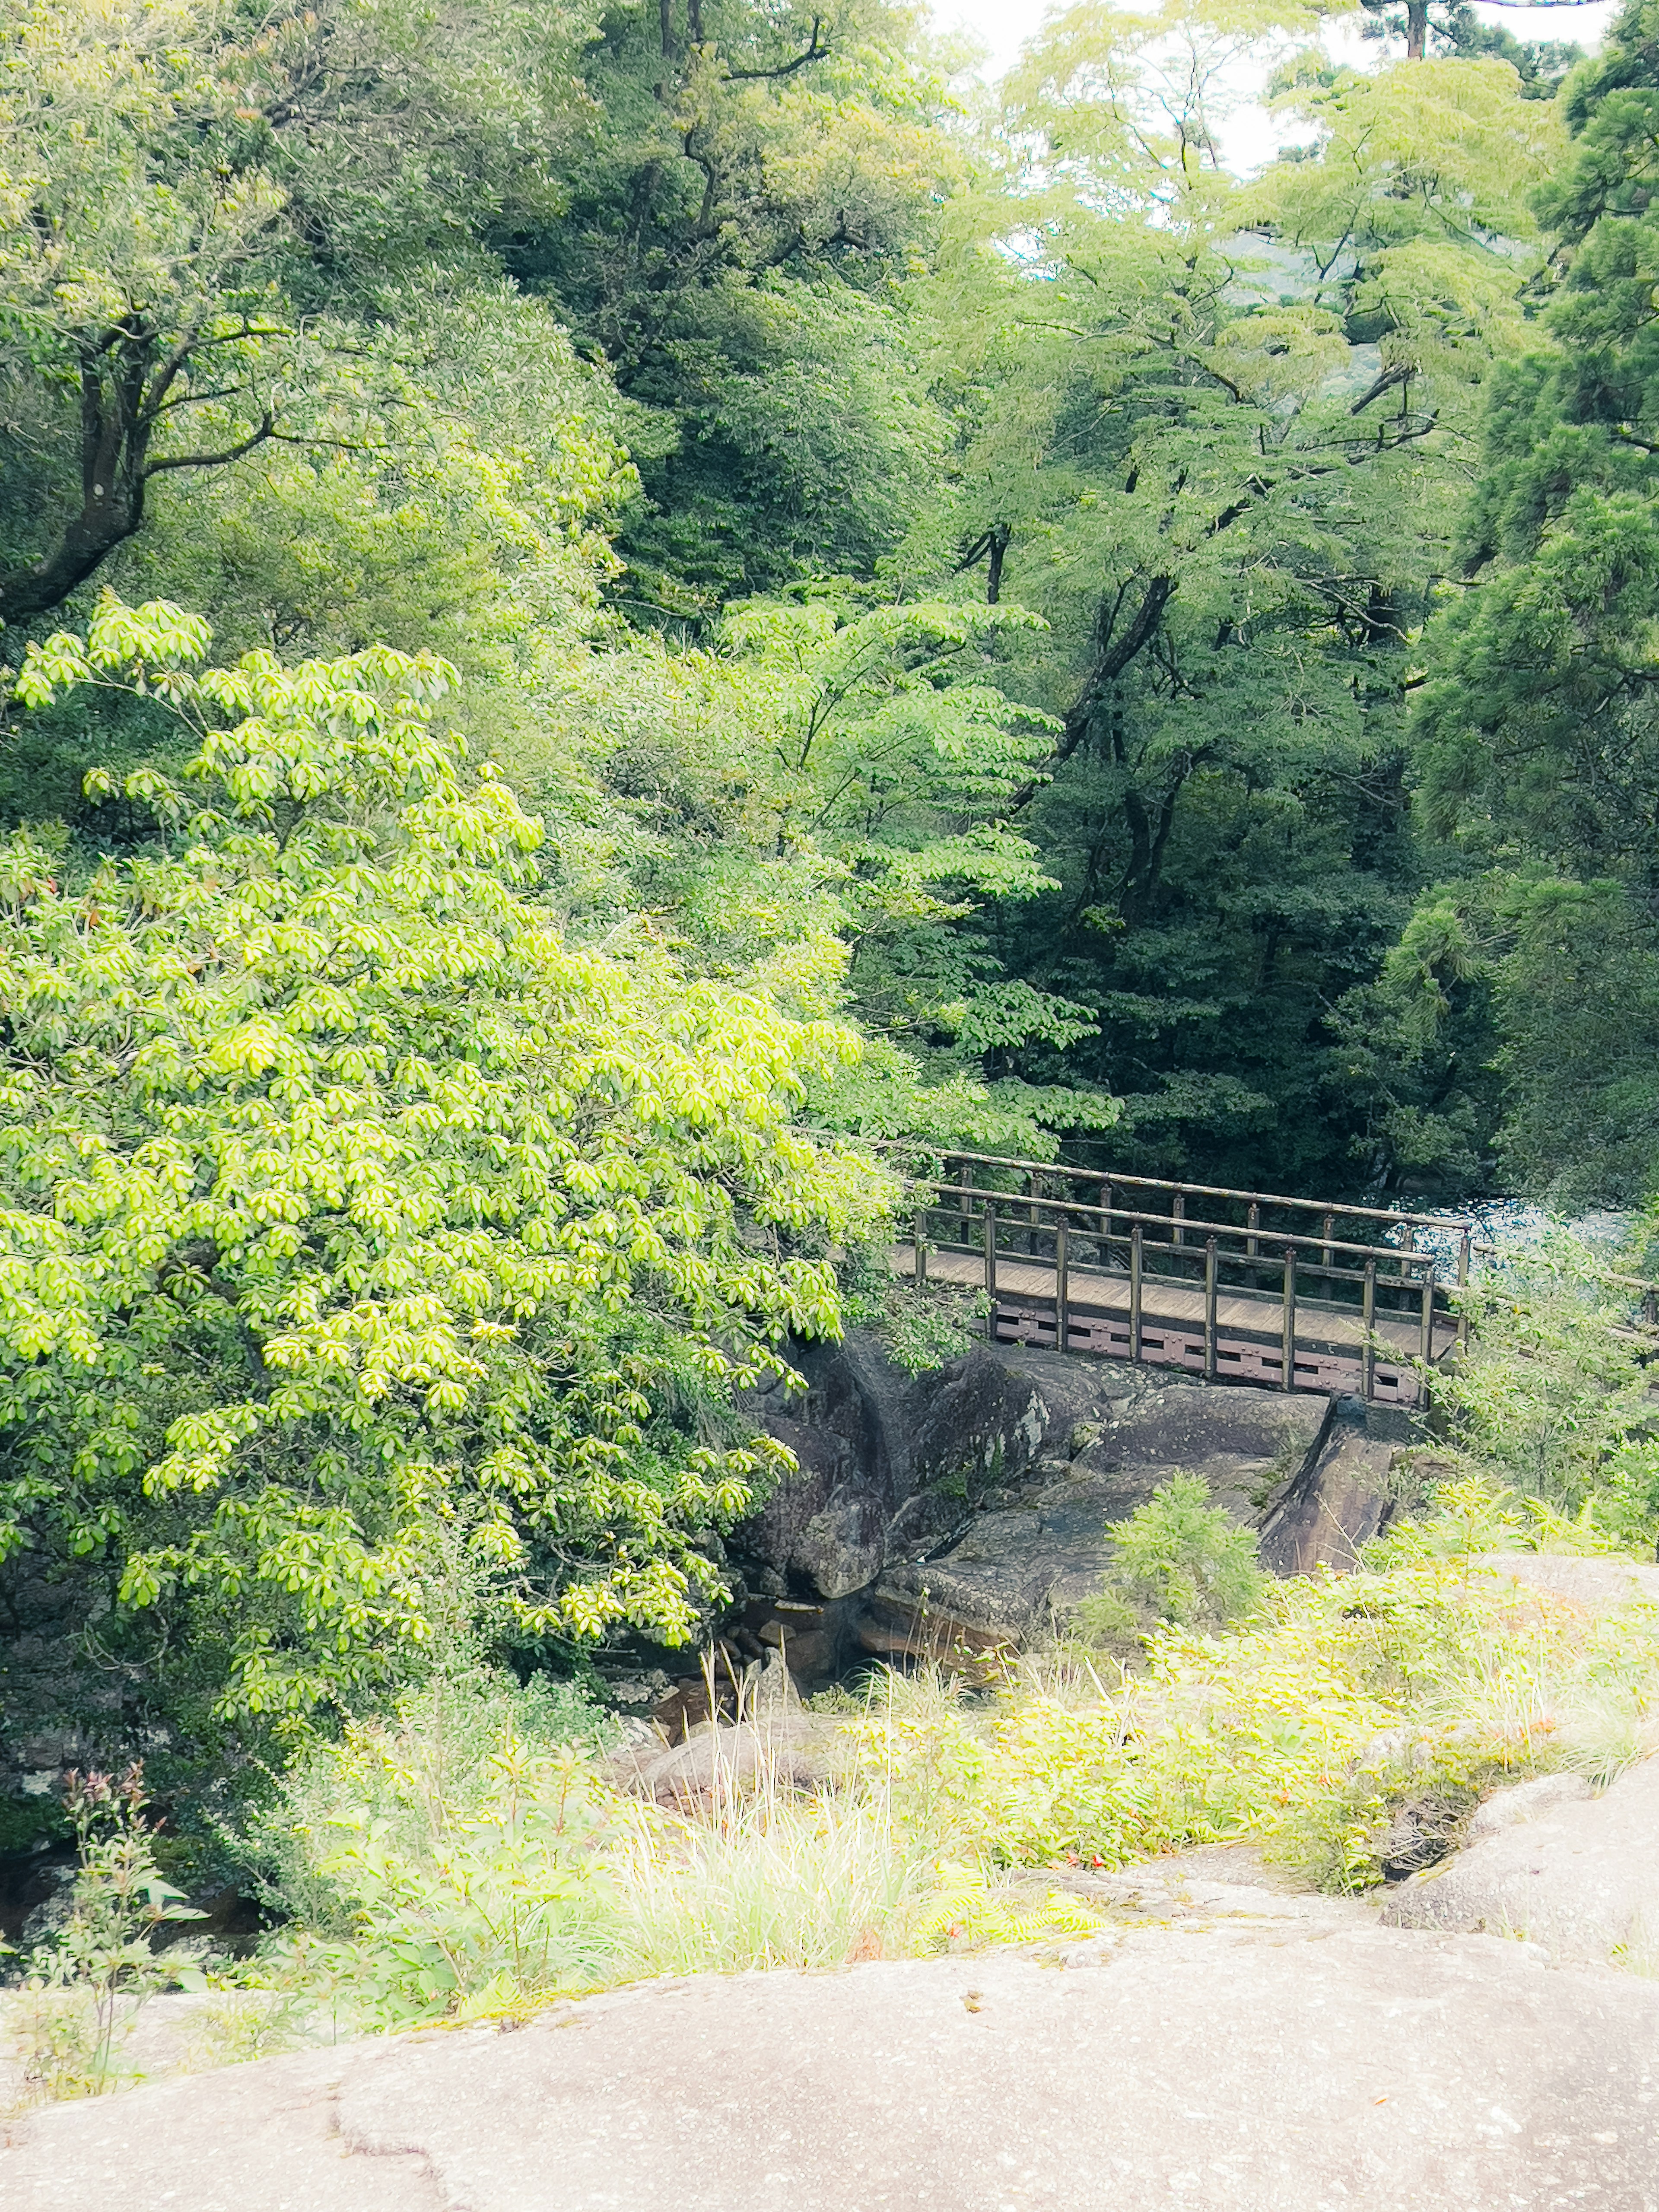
(1368, 1341)
(1209, 1308)
(964, 1177)
(1287, 1372)
(1463, 1285)
(1425, 1335)
(1062, 1291)
(1254, 1221)
(1650, 1307)
(1105, 1223)
(1409, 1245)
(921, 1246)
(1134, 1292)
(1325, 1255)
(1178, 1214)
(991, 1258)
(1031, 1182)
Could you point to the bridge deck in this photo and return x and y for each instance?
(1248, 1326)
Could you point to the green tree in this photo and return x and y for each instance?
(344, 1197)
(1535, 738)
(759, 189)
(824, 786)
(1219, 436)
(188, 186)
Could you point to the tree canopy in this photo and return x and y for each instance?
(762, 596)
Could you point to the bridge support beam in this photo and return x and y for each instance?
(1287, 1369)
(1368, 1336)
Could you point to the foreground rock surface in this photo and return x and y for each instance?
(1248, 2061)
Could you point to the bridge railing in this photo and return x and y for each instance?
(1263, 1279)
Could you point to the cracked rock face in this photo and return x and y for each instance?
(1027, 1561)
(1010, 1461)
(1230, 2053)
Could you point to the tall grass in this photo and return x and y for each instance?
(774, 1881)
(442, 1864)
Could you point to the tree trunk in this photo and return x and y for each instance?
(1000, 534)
(114, 446)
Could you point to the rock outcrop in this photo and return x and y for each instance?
(1339, 1498)
(1040, 1546)
(798, 1751)
(1552, 1864)
(1234, 2059)
(967, 1508)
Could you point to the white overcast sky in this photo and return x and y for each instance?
(1004, 26)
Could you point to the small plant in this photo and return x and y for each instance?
(443, 1863)
(1103, 1620)
(970, 1912)
(1176, 1559)
(87, 1983)
(922, 1325)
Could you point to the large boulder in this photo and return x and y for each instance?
(1020, 1567)
(1339, 1499)
(1238, 2064)
(797, 1750)
(968, 1507)
(889, 1463)
(1548, 1861)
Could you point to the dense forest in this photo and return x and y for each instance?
(602, 602)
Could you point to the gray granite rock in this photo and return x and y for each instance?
(1240, 2066)
(1578, 1875)
(1335, 1502)
(1021, 1566)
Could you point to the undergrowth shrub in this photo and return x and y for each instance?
(466, 1858)
(921, 1326)
(1303, 1727)
(1176, 1558)
(84, 1985)
(445, 1862)
(1551, 1399)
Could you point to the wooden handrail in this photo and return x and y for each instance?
(1398, 1267)
(1279, 1237)
(1321, 1206)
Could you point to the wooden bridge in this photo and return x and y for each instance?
(1253, 1286)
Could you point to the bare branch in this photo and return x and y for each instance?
(815, 52)
(266, 430)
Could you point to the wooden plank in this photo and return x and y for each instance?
(1236, 1362)
(1239, 1315)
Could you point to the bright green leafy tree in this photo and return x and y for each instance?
(345, 1198)
(194, 192)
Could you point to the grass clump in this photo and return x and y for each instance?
(1303, 1726)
